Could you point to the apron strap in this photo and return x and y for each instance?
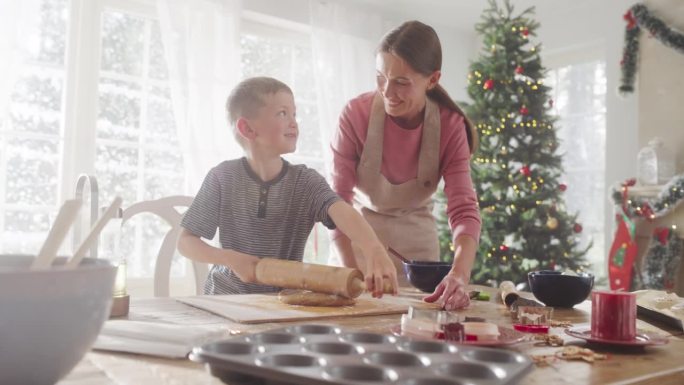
(371, 156)
(428, 159)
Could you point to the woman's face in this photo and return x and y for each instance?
(403, 89)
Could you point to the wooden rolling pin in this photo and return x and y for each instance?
(508, 293)
(342, 281)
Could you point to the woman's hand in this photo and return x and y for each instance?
(380, 272)
(452, 292)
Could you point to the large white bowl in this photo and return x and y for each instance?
(49, 318)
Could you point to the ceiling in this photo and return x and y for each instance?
(463, 14)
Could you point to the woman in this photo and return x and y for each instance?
(392, 147)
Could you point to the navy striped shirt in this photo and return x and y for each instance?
(265, 219)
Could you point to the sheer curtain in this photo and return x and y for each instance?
(18, 19)
(202, 47)
(344, 39)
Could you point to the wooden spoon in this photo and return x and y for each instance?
(94, 233)
(401, 257)
(66, 216)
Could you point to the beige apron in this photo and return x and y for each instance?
(401, 215)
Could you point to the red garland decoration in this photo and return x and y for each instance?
(562, 187)
(577, 228)
(525, 170)
(519, 70)
(524, 110)
(629, 18)
(488, 84)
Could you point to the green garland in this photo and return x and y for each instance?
(639, 17)
(668, 198)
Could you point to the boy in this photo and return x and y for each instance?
(264, 206)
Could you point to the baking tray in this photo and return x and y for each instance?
(324, 354)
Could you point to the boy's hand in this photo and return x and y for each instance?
(244, 266)
(379, 267)
(452, 292)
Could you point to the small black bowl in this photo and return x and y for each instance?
(556, 289)
(426, 275)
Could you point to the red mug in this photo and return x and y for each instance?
(613, 315)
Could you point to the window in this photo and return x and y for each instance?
(32, 135)
(137, 153)
(131, 144)
(579, 95)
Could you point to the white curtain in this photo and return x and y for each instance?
(18, 20)
(344, 39)
(202, 47)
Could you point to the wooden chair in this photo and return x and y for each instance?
(167, 209)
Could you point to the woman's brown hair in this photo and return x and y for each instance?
(418, 45)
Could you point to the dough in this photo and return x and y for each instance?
(310, 298)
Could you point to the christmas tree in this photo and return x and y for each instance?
(516, 169)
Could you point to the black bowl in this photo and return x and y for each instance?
(426, 275)
(556, 289)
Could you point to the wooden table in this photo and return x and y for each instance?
(661, 365)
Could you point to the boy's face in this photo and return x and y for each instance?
(275, 126)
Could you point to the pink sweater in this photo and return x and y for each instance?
(400, 152)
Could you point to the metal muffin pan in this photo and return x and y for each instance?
(323, 354)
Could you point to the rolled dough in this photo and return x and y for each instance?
(310, 298)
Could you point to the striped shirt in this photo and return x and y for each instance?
(265, 219)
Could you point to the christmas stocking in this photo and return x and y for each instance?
(622, 254)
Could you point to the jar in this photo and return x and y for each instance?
(655, 163)
(110, 248)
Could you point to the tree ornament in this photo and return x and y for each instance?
(552, 223)
(630, 19)
(577, 228)
(525, 31)
(550, 102)
(562, 187)
(524, 110)
(525, 170)
(519, 70)
(488, 84)
(503, 248)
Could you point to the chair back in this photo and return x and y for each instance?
(167, 209)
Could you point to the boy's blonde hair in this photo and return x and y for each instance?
(247, 97)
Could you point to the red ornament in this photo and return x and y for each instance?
(525, 171)
(647, 211)
(488, 84)
(519, 70)
(550, 102)
(662, 233)
(525, 32)
(524, 110)
(629, 18)
(577, 228)
(562, 187)
(503, 248)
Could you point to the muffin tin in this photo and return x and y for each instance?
(324, 354)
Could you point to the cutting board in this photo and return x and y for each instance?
(262, 308)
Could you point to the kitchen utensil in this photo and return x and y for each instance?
(342, 281)
(94, 233)
(66, 216)
(323, 354)
(396, 254)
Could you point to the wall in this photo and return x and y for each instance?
(660, 83)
